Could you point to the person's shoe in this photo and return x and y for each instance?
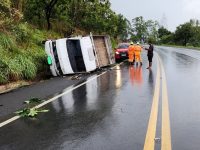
(148, 67)
(136, 63)
(140, 63)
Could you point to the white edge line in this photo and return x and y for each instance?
(56, 97)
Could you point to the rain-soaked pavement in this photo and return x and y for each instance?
(111, 112)
(182, 72)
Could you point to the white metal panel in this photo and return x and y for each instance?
(109, 49)
(88, 54)
(61, 45)
(49, 52)
(95, 51)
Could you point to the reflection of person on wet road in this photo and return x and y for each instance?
(131, 58)
(151, 82)
(150, 54)
(136, 74)
(138, 50)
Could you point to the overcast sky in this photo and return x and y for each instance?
(170, 13)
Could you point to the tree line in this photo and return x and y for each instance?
(67, 16)
(186, 34)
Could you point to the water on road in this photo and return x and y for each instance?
(111, 111)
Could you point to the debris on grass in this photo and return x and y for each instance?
(33, 100)
(32, 112)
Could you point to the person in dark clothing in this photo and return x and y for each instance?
(150, 54)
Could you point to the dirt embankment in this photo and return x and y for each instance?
(14, 85)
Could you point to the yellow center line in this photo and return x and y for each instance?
(151, 130)
(166, 131)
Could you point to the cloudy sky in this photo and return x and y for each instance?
(170, 13)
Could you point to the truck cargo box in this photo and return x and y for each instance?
(103, 48)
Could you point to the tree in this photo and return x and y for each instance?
(152, 30)
(139, 28)
(49, 6)
(5, 14)
(165, 36)
(163, 32)
(37, 10)
(195, 39)
(82, 16)
(143, 30)
(5, 6)
(124, 28)
(183, 34)
(167, 39)
(18, 4)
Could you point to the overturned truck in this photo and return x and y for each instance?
(78, 54)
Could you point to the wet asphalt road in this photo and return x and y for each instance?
(14, 100)
(182, 72)
(111, 112)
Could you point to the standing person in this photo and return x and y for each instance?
(131, 58)
(150, 54)
(138, 50)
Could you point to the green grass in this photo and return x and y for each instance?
(22, 53)
(6, 42)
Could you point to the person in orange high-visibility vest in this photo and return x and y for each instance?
(137, 52)
(131, 50)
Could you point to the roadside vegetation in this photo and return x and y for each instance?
(25, 24)
(22, 53)
(185, 35)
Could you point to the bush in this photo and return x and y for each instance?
(5, 5)
(22, 53)
(27, 67)
(3, 78)
(167, 39)
(6, 42)
(3, 71)
(114, 43)
(152, 40)
(14, 69)
(22, 33)
(16, 66)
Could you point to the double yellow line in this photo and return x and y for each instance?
(151, 130)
